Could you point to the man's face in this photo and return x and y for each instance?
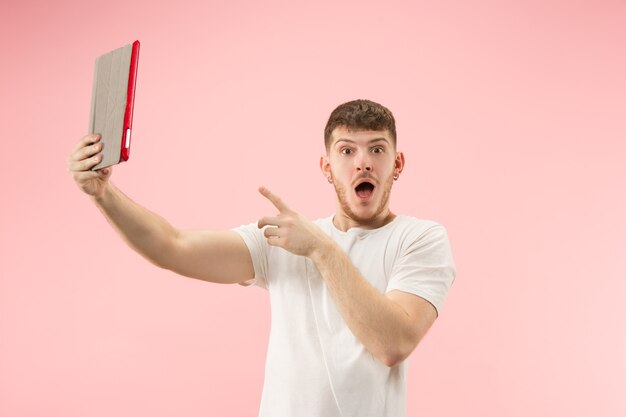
(362, 165)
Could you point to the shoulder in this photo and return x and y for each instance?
(324, 223)
(410, 233)
(417, 227)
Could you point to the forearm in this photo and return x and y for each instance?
(144, 231)
(382, 325)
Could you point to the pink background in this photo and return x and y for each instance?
(512, 117)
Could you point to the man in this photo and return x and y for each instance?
(351, 294)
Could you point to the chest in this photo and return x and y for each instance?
(373, 256)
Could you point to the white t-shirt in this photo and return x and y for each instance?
(315, 366)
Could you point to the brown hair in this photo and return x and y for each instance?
(360, 115)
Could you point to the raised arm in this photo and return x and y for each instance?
(216, 256)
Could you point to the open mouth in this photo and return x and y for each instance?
(364, 190)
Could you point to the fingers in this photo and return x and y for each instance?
(273, 232)
(85, 154)
(86, 175)
(278, 226)
(276, 200)
(270, 221)
(84, 164)
(86, 140)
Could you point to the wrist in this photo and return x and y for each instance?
(323, 250)
(103, 195)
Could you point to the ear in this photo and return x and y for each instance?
(325, 166)
(399, 163)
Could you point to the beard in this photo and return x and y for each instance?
(342, 196)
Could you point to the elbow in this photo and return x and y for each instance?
(392, 360)
(394, 357)
(396, 354)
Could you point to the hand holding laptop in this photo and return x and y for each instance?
(87, 154)
(112, 102)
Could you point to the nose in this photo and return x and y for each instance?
(363, 163)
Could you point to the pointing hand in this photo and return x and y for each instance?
(290, 230)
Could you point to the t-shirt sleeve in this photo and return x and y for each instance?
(425, 267)
(258, 247)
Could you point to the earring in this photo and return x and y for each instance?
(330, 180)
(395, 177)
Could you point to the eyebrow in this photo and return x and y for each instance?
(369, 141)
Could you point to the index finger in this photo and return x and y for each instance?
(276, 200)
(86, 140)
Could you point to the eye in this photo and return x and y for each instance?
(346, 151)
(378, 149)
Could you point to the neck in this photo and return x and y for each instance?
(344, 222)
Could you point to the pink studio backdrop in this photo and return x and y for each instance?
(511, 115)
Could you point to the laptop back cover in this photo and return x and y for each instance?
(109, 102)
